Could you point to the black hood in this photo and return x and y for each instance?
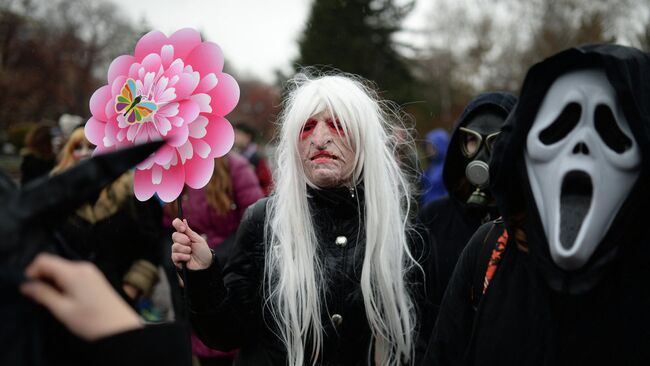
(453, 174)
(628, 70)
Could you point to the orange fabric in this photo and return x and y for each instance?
(495, 258)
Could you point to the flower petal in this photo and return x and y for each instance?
(207, 83)
(201, 148)
(206, 58)
(172, 183)
(225, 95)
(185, 151)
(141, 136)
(98, 102)
(149, 43)
(168, 110)
(152, 132)
(184, 40)
(156, 174)
(164, 155)
(186, 85)
(198, 172)
(167, 55)
(142, 185)
(188, 110)
(197, 127)
(111, 133)
(203, 100)
(152, 63)
(220, 135)
(178, 136)
(95, 131)
(163, 125)
(119, 67)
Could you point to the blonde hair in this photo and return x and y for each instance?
(293, 271)
(66, 156)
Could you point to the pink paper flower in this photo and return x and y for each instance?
(172, 88)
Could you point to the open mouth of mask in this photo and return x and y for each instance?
(575, 201)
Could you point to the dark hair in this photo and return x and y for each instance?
(39, 140)
(247, 129)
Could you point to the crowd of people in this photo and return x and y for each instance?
(521, 244)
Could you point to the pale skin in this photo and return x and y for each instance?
(327, 160)
(79, 296)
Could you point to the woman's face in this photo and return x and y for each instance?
(326, 157)
(82, 150)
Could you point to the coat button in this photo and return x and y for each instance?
(341, 241)
(337, 320)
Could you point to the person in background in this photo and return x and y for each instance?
(38, 154)
(452, 220)
(118, 233)
(435, 150)
(324, 271)
(245, 137)
(215, 212)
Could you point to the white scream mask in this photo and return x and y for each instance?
(582, 161)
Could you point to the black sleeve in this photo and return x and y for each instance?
(426, 308)
(166, 344)
(452, 332)
(226, 306)
(147, 217)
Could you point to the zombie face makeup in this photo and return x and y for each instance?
(326, 157)
(582, 161)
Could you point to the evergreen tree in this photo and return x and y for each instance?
(355, 36)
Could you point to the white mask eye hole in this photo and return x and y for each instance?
(609, 131)
(563, 124)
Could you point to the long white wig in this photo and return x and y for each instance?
(294, 272)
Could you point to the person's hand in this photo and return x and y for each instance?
(189, 247)
(79, 296)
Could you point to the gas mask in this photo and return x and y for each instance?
(476, 141)
(582, 161)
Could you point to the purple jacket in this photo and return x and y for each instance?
(204, 220)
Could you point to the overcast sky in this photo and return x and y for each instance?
(257, 36)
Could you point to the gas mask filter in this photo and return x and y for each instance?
(582, 162)
(477, 140)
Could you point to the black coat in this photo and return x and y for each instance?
(449, 220)
(34, 166)
(227, 307)
(535, 313)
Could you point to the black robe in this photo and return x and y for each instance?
(533, 312)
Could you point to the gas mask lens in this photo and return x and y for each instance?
(472, 141)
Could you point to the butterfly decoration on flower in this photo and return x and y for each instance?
(172, 89)
(135, 109)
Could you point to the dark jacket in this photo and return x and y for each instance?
(228, 310)
(521, 319)
(449, 220)
(114, 231)
(34, 165)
